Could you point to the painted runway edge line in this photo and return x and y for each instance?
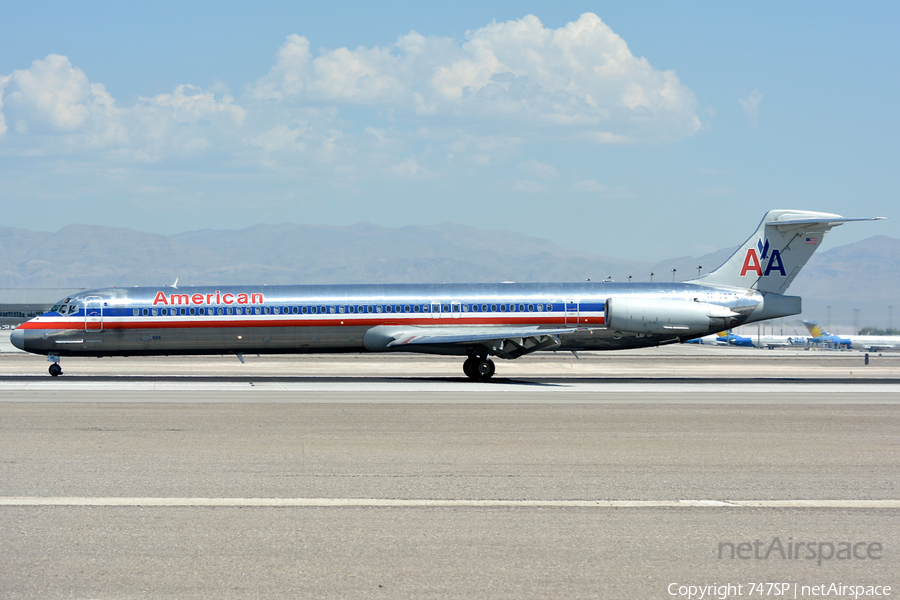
(34, 501)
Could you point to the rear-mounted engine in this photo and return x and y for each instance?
(678, 317)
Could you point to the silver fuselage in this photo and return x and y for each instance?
(337, 318)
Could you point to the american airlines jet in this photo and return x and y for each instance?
(475, 321)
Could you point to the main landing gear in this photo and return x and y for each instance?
(478, 368)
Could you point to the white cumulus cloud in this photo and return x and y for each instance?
(464, 104)
(56, 100)
(581, 77)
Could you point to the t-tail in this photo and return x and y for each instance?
(773, 256)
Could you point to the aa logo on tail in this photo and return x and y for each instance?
(753, 260)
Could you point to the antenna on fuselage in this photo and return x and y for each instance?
(175, 285)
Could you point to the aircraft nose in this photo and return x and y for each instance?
(17, 338)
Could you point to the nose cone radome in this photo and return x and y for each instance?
(17, 338)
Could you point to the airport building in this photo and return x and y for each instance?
(17, 305)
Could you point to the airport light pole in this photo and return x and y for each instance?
(699, 267)
(673, 275)
(856, 320)
(651, 277)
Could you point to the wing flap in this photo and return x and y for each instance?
(505, 342)
(434, 335)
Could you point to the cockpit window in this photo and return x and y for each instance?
(55, 308)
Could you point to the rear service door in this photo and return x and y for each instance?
(572, 312)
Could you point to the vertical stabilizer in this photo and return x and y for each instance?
(773, 256)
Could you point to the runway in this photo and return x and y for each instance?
(328, 485)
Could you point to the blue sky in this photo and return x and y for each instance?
(646, 130)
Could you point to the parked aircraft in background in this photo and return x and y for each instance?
(823, 338)
(782, 341)
(873, 343)
(476, 321)
(733, 339)
(723, 338)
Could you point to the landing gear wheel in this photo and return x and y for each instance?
(55, 370)
(484, 369)
(469, 367)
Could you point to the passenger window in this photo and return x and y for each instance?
(465, 308)
(426, 308)
(406, 308)
(549, 307)
(531, 308)
(521, 308)
(493, 308)
(136, 311)
(379, 308)
(415, 308)
(445, 308)
(342, 309)
(540, 307)
(304, 310)
(146, 312)
(276, 310)
(154, 312)
(389, 308)
(295, 310)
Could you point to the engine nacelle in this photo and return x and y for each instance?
(662, 316)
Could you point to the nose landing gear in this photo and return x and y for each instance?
(55, 369)
(479, 368)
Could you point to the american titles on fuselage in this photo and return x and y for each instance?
(207, 299)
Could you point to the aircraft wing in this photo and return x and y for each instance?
(506, 342)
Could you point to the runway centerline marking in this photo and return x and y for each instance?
(34, 501)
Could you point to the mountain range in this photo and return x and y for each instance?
(864, 275)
